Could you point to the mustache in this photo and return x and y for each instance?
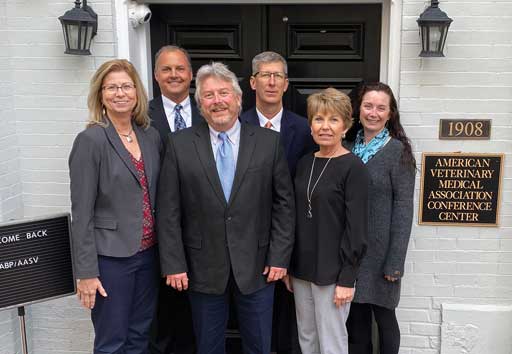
(218, 106)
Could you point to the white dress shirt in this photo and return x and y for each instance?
(186, 112)
(275, 120)
(233, 138)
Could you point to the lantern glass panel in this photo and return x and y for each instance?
(424, 38)
(435, 36)
(87, 36)
(72, 32)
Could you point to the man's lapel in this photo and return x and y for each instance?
(287, 131)
(204, 151)
(251, 117)
(196, 115)
(246, 148)
(158, 114)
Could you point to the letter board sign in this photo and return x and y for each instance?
(35, 261)
(460, 189)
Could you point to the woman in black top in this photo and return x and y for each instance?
(331, 202)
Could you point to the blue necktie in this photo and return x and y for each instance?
(179, 122)
(225, 164)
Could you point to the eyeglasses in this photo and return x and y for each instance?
(126, 88)
(266, 75)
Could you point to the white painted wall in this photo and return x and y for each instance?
(10, 183)
(43, 105)
(43, 96)
(457, 265)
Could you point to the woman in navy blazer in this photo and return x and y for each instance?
(114, 167)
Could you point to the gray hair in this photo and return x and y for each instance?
(268, 57)
(220, 71)
(173, 48)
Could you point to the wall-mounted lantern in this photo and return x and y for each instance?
(79, 26)
(434, 25)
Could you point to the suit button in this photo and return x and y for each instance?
(228, 218)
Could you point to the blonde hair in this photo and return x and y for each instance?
(333, 101)
(96, 109)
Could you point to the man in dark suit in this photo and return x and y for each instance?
(172, 331)
(225, 216)
(173, 110)
(270, 81)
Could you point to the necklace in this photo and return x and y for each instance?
(309, 213)
(127, 136)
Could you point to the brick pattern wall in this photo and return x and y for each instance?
(47, 91)
(10, 183)
(474, 80)
(43, 105)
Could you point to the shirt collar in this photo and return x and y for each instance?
(275, 120)
(233, 133)
(170, 105)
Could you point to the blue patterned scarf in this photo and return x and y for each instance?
(367, 151)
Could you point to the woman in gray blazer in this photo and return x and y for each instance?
(382, 145)
(114, 167)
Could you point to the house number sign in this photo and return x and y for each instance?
(464, 129)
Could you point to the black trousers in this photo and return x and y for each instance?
(359, 326)
(172, 331)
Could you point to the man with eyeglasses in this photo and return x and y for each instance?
(270, 81)
(225, 216)
(172, 331)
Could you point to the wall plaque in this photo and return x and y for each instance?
(35, 261)
(465, 129)
(460, 189)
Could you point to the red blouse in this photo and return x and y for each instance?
(148, 231)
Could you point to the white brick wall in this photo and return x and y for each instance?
(10, 183)
(43, 105)
(474, 80)
(43, 95)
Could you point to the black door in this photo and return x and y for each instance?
(324, 45)
(226, 33)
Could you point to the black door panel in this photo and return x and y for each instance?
(325, 46)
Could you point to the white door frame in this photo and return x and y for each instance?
(135, 45)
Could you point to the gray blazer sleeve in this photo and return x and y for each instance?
(84, 164)
(402, 179)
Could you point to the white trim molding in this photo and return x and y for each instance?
(135, 44)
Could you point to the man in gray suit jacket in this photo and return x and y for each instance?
(172, 331)
(225, 216)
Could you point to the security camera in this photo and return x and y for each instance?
(138, 13)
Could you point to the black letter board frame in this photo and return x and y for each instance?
(52, 276)
(427, 186)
